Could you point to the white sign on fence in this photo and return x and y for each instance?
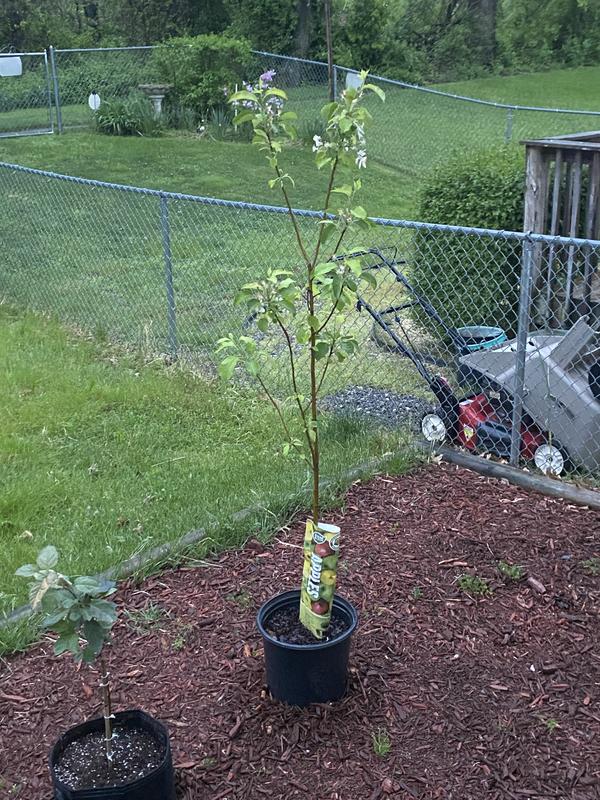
(10, 66)
(352, 80)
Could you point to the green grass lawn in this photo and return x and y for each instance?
(105, 455)
(185, 163)
(557, 88)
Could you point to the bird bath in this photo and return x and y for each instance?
(156, 92)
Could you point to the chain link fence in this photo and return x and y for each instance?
(486, 338)
(417, 128)
(25, 94)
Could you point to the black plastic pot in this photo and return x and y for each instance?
(301, 674)
(158, 785)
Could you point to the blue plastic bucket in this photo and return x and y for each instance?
(481, 337)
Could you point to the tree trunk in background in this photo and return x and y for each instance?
(485, 17)
(304, 28)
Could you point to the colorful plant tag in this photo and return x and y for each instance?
(321, 551)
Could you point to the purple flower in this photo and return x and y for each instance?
(267, 77)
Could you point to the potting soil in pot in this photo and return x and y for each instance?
(83, 764)
(285, 626)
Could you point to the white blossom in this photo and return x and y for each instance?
(318, 143)
(361, 158)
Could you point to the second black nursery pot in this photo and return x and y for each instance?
(157, 785)
(301, 674)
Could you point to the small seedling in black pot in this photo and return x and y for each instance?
(126, 756)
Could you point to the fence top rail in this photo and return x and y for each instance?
(303, 212)
(106, 49)
(18, 55)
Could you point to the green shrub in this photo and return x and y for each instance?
(133, 116)
(472, 280)
(199, 68)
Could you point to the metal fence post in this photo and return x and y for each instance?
(508, 130)
(59, 122)
(169, 288)
(522, 335)
(335, 93)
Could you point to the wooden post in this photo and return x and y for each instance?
(329, 39)
(574, 203)
(536, 212)
(591, 224)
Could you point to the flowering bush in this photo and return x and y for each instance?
(306, 310)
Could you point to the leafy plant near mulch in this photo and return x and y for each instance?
(494, 697)
(76, 609)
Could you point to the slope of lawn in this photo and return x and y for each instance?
(104, 455)
(185, 163)
(558, 88)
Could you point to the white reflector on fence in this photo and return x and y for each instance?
(94, 101)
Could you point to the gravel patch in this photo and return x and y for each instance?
(382, 406)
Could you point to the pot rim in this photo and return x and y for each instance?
(99, 791)
(294, 594)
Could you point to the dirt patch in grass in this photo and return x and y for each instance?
(469, 680)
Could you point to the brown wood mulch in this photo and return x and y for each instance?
(489, 697)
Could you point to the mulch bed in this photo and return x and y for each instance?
(493, 697)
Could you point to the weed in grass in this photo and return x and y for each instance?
(416, 593)
(592, 566)
(243, 598)
(473, 585)
(181, 636)
(145, 620)
(513, 572)
(382, 744)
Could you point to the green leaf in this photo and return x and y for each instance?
(376, 89)
(368, 277)
(314, 322)
(274, 92)
(253, 367)
(359, 212)
(353, 265)
(26, 571)
(87, 585)
(69, 643)
(288, 115)
(321, 349)
(347, 190)
(95, 636)
(328, 110)
(227, 367)
(328, 227)
(242, 95)
(324, 269)
(103, 611)
(262, 323)
(244, 116)
(48, 557)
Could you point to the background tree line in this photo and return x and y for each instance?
(421, 40)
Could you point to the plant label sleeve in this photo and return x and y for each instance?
(319, 574)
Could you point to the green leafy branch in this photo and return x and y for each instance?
(310, 310)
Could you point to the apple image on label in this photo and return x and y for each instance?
(320, 607)
(328, 577)
(323, 550)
